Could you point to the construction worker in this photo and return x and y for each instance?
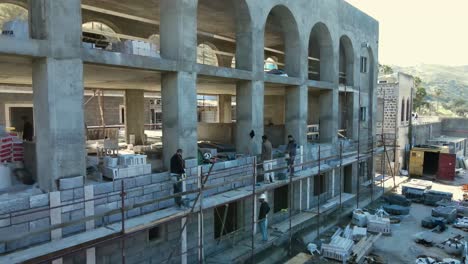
(262, 217)
(267, 156)
(177, 175)
(291, 153)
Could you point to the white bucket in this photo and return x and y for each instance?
(5, 176)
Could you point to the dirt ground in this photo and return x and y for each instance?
(400, 246)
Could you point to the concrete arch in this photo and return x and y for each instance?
(206, 54)
(23, 4)
(103, 21)
(98, 39)
(346, 61)
(10, 10)
(234, 15)
(291, 42)
(321, 57)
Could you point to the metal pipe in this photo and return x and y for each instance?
(318, 195)
(254, 180)
(122, 197)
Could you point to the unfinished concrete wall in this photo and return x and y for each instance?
(216, 132)
(421, 133)
(274, 110)
(455, 127)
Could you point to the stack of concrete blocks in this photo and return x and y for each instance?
(359, 232)
(126, 166)
(378, 224)
(17, 29)
(338, 249)
(136, 47)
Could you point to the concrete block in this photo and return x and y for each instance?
(72, 207)
(151, 188)
(100, 201)
(135, 192)
(17, 219)
(113, 197)
(13, 205)
(32, 240)
(191, 163)
(104, 208)
(166, 203)
(39, 200)
(143, 199)
(230, 164)
(74, 229)
(65, 217)
(115, 218)
(19, 229)
(149, 208)
(103, 188)
(134, 212)
(71, 183)
(66, 196)
(159, 177)
(129, 184)
(77, 215)
(78, 193)
(118, 185)
(5, 220)
(2, 248)
(143, 180)
(39, 224)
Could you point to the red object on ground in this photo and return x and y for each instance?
(446, 170)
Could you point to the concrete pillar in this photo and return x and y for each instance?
(179, 106)
(58, 91)
(329, 101)
(135, 115)
(225, 108)
(249, 116)
(296, 113)
(178, 30)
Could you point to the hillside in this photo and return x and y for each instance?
(453, 81)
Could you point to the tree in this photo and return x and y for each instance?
(419, 99)
(460, 107)
(385, 69)
(438, 93)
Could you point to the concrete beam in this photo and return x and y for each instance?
(135, 115)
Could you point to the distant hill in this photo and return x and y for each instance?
(452, 80)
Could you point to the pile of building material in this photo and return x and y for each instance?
(363, 248)
(454, 246)
(432, 197)
(136, 47)
(448, 213)
(338, 249)
(11, 148)
(461, 223)
(395, 199)
(124, 166)
(360, 217)
(377, 224)
(359, 233)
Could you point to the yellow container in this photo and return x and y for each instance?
(416, 165)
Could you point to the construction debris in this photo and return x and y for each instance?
(378, 224)
(396, 209)
(338, 249)
(448, 213)
(363, 248)
(359, 233)
(454, 245)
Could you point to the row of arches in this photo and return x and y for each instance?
(282, 44)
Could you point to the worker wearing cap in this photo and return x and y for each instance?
(262, 217)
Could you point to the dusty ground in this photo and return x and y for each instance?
(400, 246)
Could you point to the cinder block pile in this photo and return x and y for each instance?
(125, 166)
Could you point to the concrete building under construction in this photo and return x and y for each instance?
(306, 68)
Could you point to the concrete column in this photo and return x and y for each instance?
(178, 30)
(135, 115)
(58, 91)
(225, 108)
(249, 111)
(296, 113)
(179, 105)
(329, 101)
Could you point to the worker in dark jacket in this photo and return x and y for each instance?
(28, 129)
(291, 151)
(262, 217)
(267, 156)
(177, 175)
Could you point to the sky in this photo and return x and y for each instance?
(416, 32)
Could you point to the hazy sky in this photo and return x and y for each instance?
(420, 31)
